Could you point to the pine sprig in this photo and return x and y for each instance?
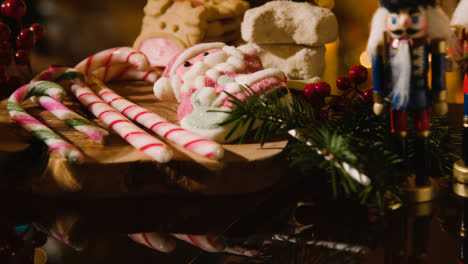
(274, 113)
(358, 138)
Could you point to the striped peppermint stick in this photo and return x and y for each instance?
(126, 72)
(39, 130)
(106, 58)
(206, 242)
(134, 135)
(154, 122)
(157, 241)
(159, 125)
(73, 119)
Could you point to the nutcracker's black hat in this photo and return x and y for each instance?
(395, 5)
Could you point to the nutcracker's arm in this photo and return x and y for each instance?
(439, 92)
(378, 72)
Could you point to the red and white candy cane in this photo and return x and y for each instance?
(73, 119)
(132, 69)
(39, 130)
(134, 135)
(106, 58)
(157, 241)
(206, 242)
(126, 72)
(159, 125)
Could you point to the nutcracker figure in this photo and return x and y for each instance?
(460, 24)
(404, 35)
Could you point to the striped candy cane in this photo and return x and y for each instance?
(126, 72)
(134, 135)
(154, 122)
(160, 242)
(39, 130)
(106, 58)
(73, 119)
(206, 242)
(159, 125)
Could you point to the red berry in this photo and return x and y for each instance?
(6, 53)
(25, 39)
(323, 89)
(343, 83)
(22, 57)
(4, 32)
(358, 74)
(323, 114)
(367, 96)
(13, 8)
(309, 91)
(38, 30)
(341, 104)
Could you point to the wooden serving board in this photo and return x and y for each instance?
(117, 169)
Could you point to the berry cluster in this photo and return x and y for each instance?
(316, 93)
(15, 47)
(17, 246)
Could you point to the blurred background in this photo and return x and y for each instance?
(78, 29)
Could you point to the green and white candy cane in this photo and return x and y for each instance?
(130, 132)
(73, 119)
(39, 130)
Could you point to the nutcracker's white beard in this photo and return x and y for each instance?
(402, 68)
(376, 36)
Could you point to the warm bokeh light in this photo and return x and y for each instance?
(365, 60)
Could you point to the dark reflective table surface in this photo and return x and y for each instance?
(292, 222)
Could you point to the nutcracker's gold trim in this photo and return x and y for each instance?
(403, 134)
(377, 98)
(420, 194)
(439, 46)
(422, 209)
(441, 96)
(460, 189)
(423, 134)
(460, 172)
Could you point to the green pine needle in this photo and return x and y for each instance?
(358, 138)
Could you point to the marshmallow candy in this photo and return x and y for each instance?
(287, 22)
(297, 61)
(199, 77)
